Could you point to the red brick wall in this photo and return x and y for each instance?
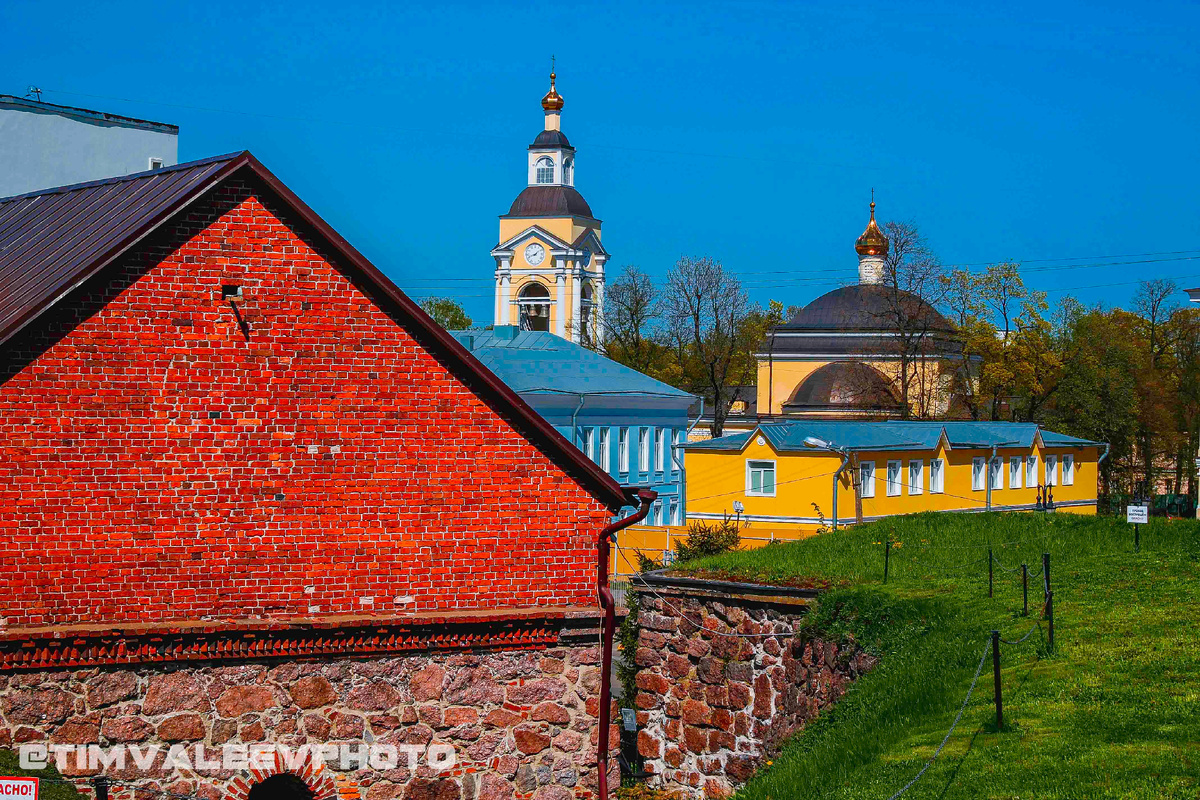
(155, 464)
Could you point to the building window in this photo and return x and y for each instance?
(977, 473)
(996, 476)
(644, 449)
(893, 478)
(534, 303)
(589, 443)
(1052, 470)
(545, 170)
(760, 478)
(604, 462)
(1014, 472)
(1068, 470)
(656, 515)
(568, 166)
(1031, 471)
(660, 449)
(866, 479)
(623, 449)
(676, 508)
(937, 476)
(916, 477)
(156, 163)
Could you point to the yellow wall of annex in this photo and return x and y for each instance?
(715, 479)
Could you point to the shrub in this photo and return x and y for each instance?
(708, 539)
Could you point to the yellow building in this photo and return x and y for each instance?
(788, 479)
(866, 350)
(549, 261)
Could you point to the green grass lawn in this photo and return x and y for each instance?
(1113, 712)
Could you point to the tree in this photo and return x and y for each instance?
(912, 285)
(633, 320)
(707, 312)
(447, 313)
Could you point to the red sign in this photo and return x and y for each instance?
(18, 788)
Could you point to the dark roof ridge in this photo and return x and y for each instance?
(70, 187)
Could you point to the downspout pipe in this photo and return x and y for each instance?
(837, 476)
(645, 497)
(988, 476)
(574, 416)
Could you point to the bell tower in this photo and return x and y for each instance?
(872, 249)
(549, 261)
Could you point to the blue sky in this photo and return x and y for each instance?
(1063, 135)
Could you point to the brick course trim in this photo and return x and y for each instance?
(252, 640)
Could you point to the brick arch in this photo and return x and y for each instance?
(319, 781)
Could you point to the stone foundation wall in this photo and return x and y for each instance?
(724, 679)
(523, 723)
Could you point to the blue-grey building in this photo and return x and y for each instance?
(45, 144)
(629, 423)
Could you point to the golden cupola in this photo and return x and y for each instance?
(553, 101)
(872, 242)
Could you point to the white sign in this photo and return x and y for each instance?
(18, 788)
(1137, 514)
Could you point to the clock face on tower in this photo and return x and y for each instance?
(535, 254)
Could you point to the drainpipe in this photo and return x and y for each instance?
(574, 415)
(608, 627)
(988, 477)
(682, 469)
(837, 476)
(1100, 461)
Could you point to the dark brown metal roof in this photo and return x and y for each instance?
(53, 240)
(550, 201)
(547, 139)
(865, 306)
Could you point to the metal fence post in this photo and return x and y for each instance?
(996, 679)
(1024, 590)
(887, 557)
(989, 572)
(1050, 618)
(1045, 579)
(1137, 538)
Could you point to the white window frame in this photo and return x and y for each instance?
(1031, 471)
(676, 505)
(156, 163)
(643, 449)
(660, 449)
(916, 476)
(996, 472)
(937, 476)
(1068, 470)
(978, 474)
(893, 478)
(1051, 470)
(866, 479)
(589, 443)
(540, 170)
(759, 464)
(604, 461)
(623, 450)
(1016, 466)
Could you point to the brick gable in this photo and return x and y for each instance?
(159, 464)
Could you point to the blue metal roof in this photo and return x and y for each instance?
(540, 362)
(789, 435)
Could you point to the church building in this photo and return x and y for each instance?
(867, 350)
(549, 261)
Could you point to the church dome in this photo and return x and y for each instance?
(554, 139)
(844, 387)
(872, 242)
(865, 306)
(553, 101)
(550, 201)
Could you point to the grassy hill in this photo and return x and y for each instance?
(1114, 712)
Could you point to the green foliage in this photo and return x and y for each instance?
(51, 786)
(447, 313)
(627, 638)
(1110, 715)
(708, 539)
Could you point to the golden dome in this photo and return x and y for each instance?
(872, 242)
(553, 101)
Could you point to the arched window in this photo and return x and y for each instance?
(545, 170)
(587, 316)
(568, 168)
(534, 303)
